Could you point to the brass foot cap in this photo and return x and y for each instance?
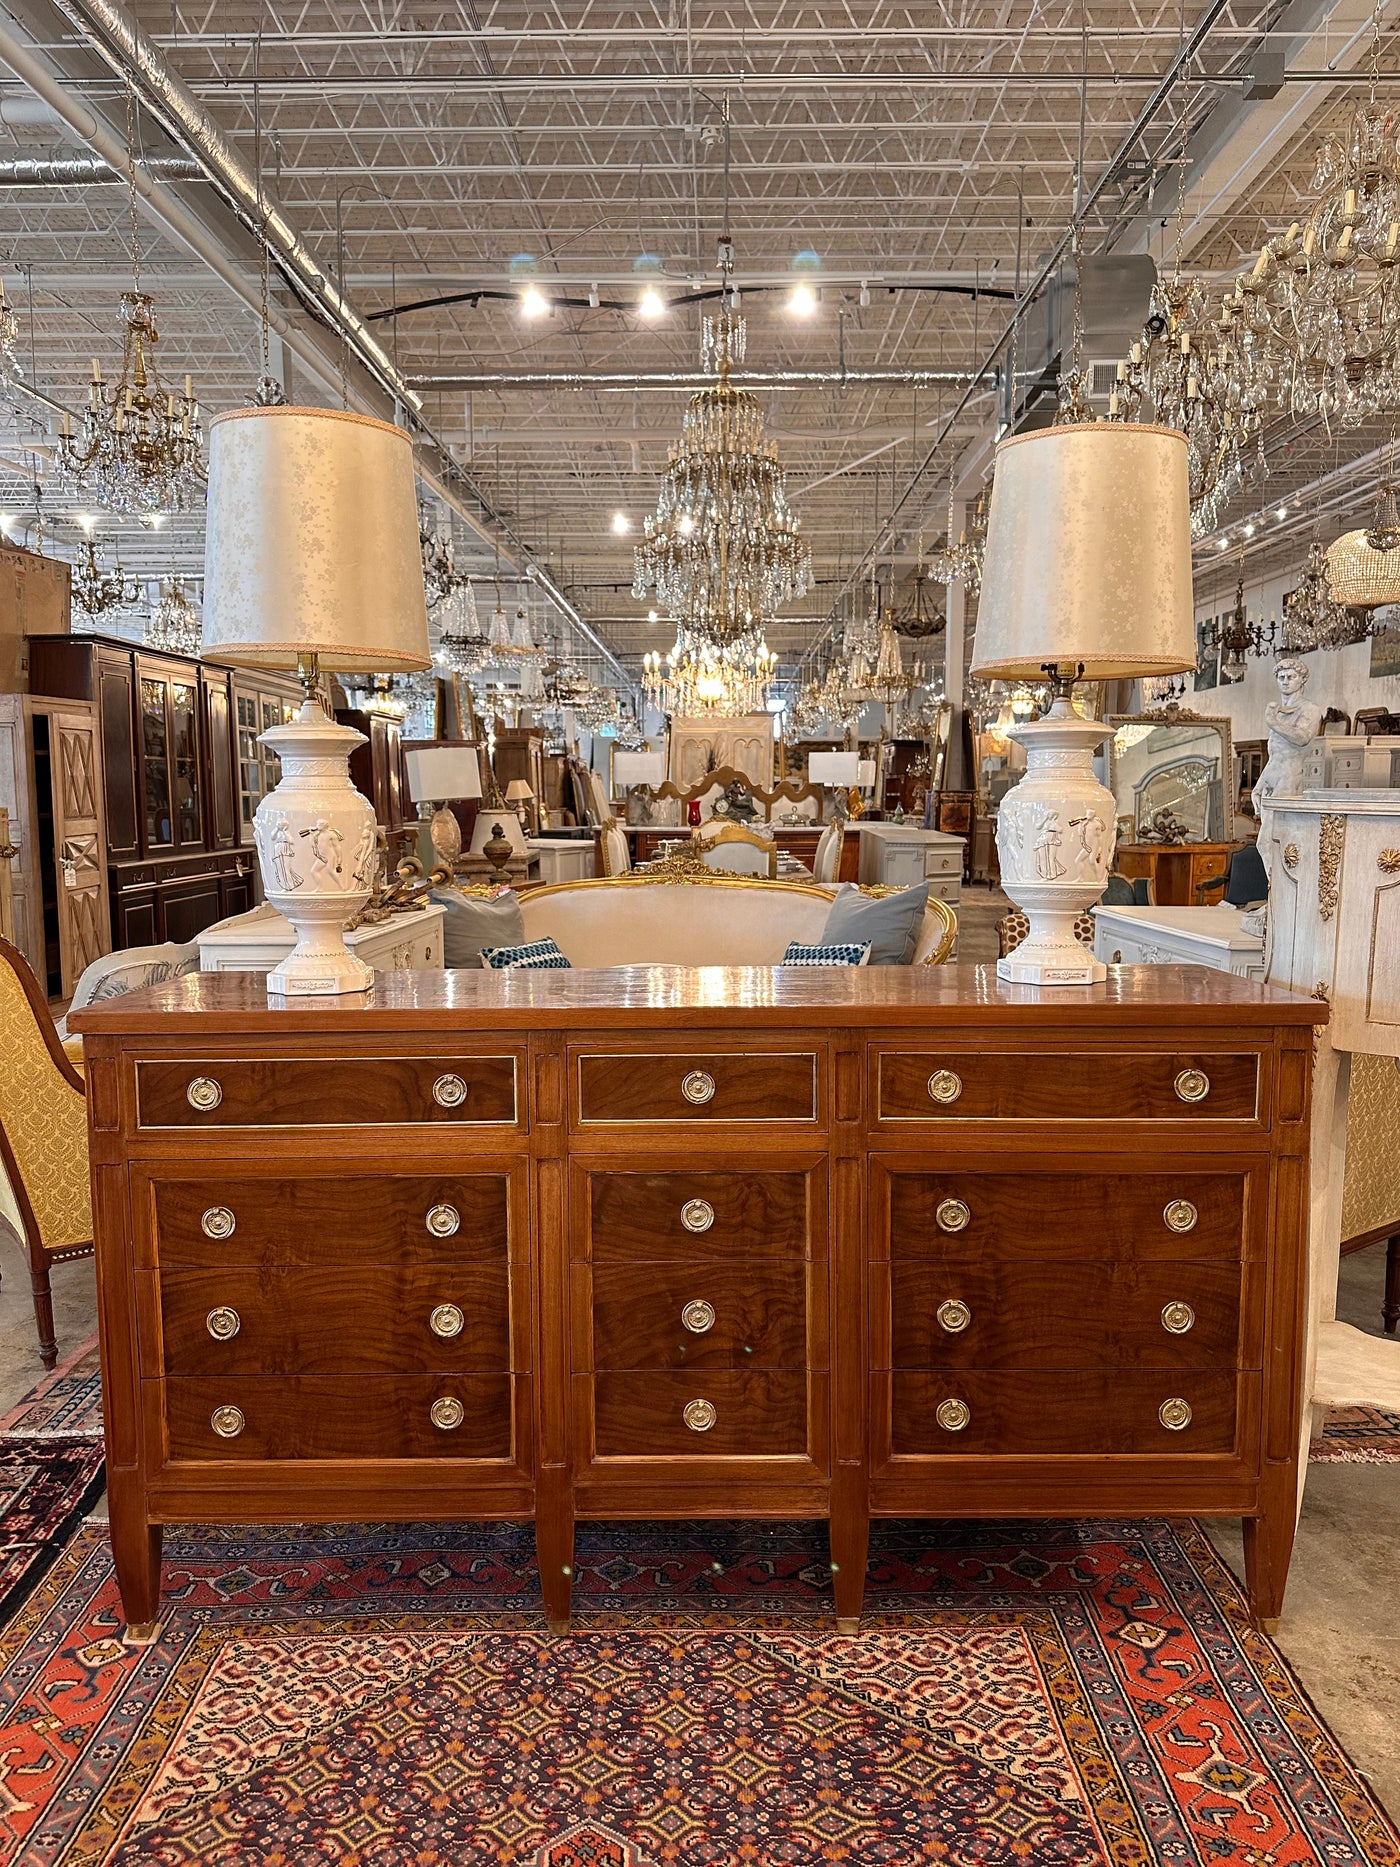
(848, 1623)
(1268, 1626)
(141, 1633)
(558, 1627)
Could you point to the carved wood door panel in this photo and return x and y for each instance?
(79, 847)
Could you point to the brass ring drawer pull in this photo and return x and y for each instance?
(698, 1317)
(217, 1222)
(204, 1094)
(954, 1316)
(953, 1415)
(699, 1415)
(1192, 1085)
(449, 1092)
(953, 1215)
(1178, 1318)
(698, 1086)
(223, 1323)
(227, 1422)
(446, 1321)
(442, 1221)
(1180, 1215)
(697, 1215)
(945, 1086)
(1175, 1414)
(447, 1413)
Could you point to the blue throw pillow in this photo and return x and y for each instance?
(532, 956)
(889, 923)
(848, 954)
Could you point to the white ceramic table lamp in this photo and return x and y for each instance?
(312, 561)
(437, 774)
(1086, 574)
(519, 796)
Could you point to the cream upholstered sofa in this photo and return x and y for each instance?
(711, 920)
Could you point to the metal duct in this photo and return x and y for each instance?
(132, 56)
(85, 171)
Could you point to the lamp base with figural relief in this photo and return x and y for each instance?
(1055, 835)
(318, 849)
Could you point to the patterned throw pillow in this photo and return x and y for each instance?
(532, 956)
(848, 953)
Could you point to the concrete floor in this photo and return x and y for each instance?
(1341, 1621)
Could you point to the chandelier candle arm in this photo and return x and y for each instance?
(1087, 573)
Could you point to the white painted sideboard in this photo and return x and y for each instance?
(1334, 932)
(1153, 936)
(254, 942)
(901, 855)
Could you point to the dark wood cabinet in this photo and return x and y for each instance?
(170, 782)
(887, 1242)
(376, 768)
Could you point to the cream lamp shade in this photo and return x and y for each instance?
(841, 768)
(639, 768)
(518, 791)
(1088, 554)
(441, 772)
(311, 542)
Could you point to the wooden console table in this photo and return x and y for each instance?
(1176, 870)
(833, 1243)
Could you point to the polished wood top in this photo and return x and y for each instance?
(634, 997)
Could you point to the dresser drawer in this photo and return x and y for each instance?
(1041, 1314)
(698, 1215)
(961, 1217)
(330, 1416)
(1083, 1413)
(734, 1412)
(365, 1319)
(351, 1091)
(755, 1087)
(699, 1316)
(1050, 1086)
(387, 1219)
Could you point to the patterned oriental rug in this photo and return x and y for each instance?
(1358, 1436)
(377, 1696)
(65, 1404)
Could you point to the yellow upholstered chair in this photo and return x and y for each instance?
(43, 1136)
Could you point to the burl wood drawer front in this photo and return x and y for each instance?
(380, 1219)
(698, 1316)
(1027, 1215)
(327, 1416)
(299, 1092)
(698, 1215)
(1160, 1412)
(1059, 1314)
(698, 1086)
(700, 1415)
(374, 1319)
(1098, 1086)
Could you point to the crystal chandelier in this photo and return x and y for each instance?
(174, 627)
(723, 550)
(462, 643)
(96, 590)
(1312, 616)
(1238, 638)
(11, 370)
(698, 679)
(138, 448)
(961, 563)
(1363, 567)
(890, 683)
(439, 568)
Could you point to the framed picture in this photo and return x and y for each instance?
(1207, 659)
(1385, 645)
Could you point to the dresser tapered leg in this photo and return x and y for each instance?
(135, 1550)
(554, 1550)
(1268, 1546)
(850, 1547)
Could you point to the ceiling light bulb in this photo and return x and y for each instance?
(802, 302)
(593, 297)
(1283, 512)
(86, 520)
(1249, 531)
(533, 302)
(652, 616)
(621, 523)
(1223, 545)
(864, 293)
(685, 525)
(651, 303)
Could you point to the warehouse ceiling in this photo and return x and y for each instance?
(916, 168)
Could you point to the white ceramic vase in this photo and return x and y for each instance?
(1055, 835)
(317, 847)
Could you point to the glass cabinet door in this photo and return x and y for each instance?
(155, 764)
(250, 758)
(184, 737)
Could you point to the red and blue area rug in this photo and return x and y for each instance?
(377, 1696)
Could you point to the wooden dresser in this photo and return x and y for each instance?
(1176, 870)
(656, 1243)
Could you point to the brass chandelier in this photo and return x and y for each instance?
(95, 590)
(1312, 616)
(723, 551)
(174, 627)
(11, 370)
(699, 679)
